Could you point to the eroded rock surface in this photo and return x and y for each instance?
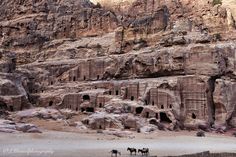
(138, 65)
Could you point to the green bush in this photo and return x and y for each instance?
(215, 2)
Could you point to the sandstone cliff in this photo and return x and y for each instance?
(173, 61)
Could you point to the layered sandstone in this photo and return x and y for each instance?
(171, 63)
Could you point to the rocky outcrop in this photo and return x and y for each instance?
(137, 64)
(11, 127)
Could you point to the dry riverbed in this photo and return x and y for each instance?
(65, 144)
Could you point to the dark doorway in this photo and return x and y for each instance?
(98, 77)
(132, 98)
(153, 103)
(84, 77)
(11, 108)
(89, 109)
(117, 92)
(194, 116)
(100, 105)
(86, 98)
(77, 109)
(139, 110)
(110, 92)
(170, 106)
(146, 102)
(74, 78)
(50, 103)
(157, 116)
(153, 121)
(3, 106)
(164, 118)
(51, 83)
(147, 115)
(162, 106)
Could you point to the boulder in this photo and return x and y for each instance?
(34, 130)
(200, 134)
(44, 113)
(102, 120)
(148, 128)
(24, 127)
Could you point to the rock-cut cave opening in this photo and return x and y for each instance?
(139, 110)
(164, 118)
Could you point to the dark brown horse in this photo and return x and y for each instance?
(144, 151)
(132, 150)
(114, 152)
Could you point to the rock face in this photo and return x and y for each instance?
(173, 61)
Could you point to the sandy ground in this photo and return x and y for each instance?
(65, 144)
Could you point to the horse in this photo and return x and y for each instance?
(114, 152)
(144, 151)
(131, 150)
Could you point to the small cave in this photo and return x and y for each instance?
(11, 108)
(100, 105)
(86, 98)
(86, 122)
(127, 109)
(194, 116)
(157, 116)
(164, 118)
(147, 114)
(153, 121)
(3, 106)
(146, 102)
(162, 106)
(117, 92)
(50, 103)
(89, 109)
(139, 110)
(127, 128)
(132, 98)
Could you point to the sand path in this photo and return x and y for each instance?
(61, 144)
